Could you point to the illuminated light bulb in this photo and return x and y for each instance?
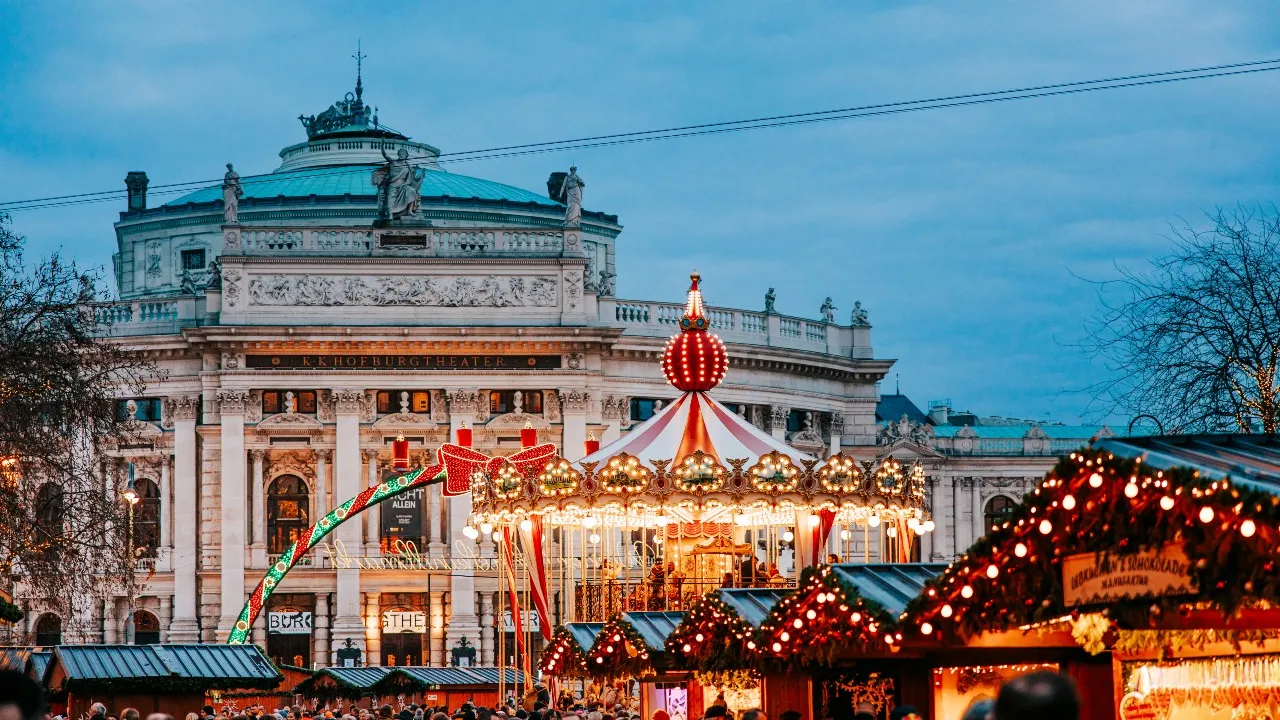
(814, 520)
(1069, 502)
(589, 522)
(600, 660)
(993, 572)
(788, 536)
(1166, 503)
(687, 647)
(608, 648)
(946, 611)
(844, 534)
(595, 538)
(891, 531)
(919, 529)
(1020, 550)
(751, 644)
(926, 628)
(797, 623)
(1248, 528)
(929, 526)
(777, 647)
(698, 637)
(486, 528)
(1095, 480)
(471, 532)
(1046, 527)
(855, 617)
(1131, 490)
(874, 521)
(966, 592)
(785, 636)
(1206, 514)
(811, 615)
(526, 525)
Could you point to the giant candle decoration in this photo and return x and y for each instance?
(528, 435)
(400, 454)
(591, 445)
(464, 435)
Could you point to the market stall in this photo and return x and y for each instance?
(1158, 555)
(632, 647)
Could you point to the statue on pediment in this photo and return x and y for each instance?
(607, 287)
(232, 191)
(770, 298)
(858, 318)
(398, 183)
(828, 310)
(571, 190)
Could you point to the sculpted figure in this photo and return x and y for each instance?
(231, 194)
(769, 299)
(398, 185)
(571, 189)
(828, 310)
(858, 318)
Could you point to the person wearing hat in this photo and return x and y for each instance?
(715, 711)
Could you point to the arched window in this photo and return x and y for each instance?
(998, 509)
(48, 630)
(146, 518)
(50, 511)
(288, 512)
(146, 628)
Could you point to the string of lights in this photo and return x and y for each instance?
(716, 128)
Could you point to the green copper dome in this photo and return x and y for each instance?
(355, 180)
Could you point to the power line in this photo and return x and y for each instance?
(716, 128)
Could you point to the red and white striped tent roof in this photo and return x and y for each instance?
(696, 422)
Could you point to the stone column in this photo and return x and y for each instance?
(436, 619)
(373, 628)
(260, 629)
(463, 405)
(837, 432)
(185, 627)
(110, 622)
(486, 629)
(941, 504)
(614, 411)
(321, 654)
(348, 623)
(778, 421)
(234, 504)
(573, 413)
(435, 526)
(166, 507)
(258, 547)
(979, 524)
(959, 537)
(373, 516)
(927, 539)
(165, 617)
(322, 485)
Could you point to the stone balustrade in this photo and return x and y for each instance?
(400, 241)
(148, 317)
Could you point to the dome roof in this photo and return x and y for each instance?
(355, 180)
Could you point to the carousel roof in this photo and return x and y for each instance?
(696, 422)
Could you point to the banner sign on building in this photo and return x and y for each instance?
(402, 517)
(1090, 578)
(289, 623)
(402, 362)
(530, 617)
(412, 621)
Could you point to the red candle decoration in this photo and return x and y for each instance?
(592, 445)
(528, 435)
(464, 435)
(400, 454)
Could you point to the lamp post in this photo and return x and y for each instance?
(131, 497)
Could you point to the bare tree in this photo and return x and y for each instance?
(62, 535)
(1195, 340)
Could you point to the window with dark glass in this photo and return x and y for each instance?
(291, 647)
(998, 509)
(193, 259)
(404, 647)
(389, 401)
(795, 420)
(644, 408)
(148, 409)
(504, 401)
(276, 401)
(288, 512)
(146, 628)
(49, 630)
(146, 518)
(50, 512)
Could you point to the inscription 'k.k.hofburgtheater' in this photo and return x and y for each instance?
(403, 362)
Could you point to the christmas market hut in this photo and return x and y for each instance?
(1161, 551)
(840, 629)
(448, 686)
(633, 647)
(331, 684)
(716, 642)
(168, 679)
(565, 656)
(31, 661)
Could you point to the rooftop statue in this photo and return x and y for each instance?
(828, 310)
(232, 191)
(571, 190)
(770, 298)
(398, 185)
(858, 318)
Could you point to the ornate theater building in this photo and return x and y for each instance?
(306, 318)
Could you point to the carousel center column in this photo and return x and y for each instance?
(184, 628)
(464, 406)
(231, 404)
(348, 622)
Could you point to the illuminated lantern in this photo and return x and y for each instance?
(694, 360)
(400, 454)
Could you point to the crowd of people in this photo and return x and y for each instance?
(1035, 696)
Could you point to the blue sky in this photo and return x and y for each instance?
(963, 232)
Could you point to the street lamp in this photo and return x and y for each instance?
(131, 496)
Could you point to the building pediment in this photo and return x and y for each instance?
(404, 421)
(518, 420)
(290, 421)
(133, 430)
(907, 449)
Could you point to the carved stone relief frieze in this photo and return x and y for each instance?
(551, 406)
(575, 361)
(439, 409)
(293, 462)
(467, 402)
(253, 411)
(615, 408)
(231, 241)
(572, 289)
(324, 406)
(413, 290)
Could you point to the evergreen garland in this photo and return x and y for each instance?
(824, 616)
(711, 637)
(619, 651)
(563, 657)
(10, 612)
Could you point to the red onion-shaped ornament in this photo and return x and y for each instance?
(695, 360)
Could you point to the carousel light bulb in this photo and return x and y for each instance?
(486, 528)
(471, 532)
(595, 538)
(1095, 480)
(874, 521)
(966, 592)
(946, 611)
(788, 536)
(844, 534)
(1206, 514)
(1069, 502)
(1166, 503)
(526, 525)
(891, 531)
(814, 520)
(1020, 550)
(919, 529)
(930, 526)
(1248, 528)
(1131, 490)
(589, 522)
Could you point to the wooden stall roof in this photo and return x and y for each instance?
(889, 585)
(653, 627)
(584, 634)
(752, 605)
(1249, 460)
(172, 668)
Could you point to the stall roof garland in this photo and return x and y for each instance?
(619, 651)
(1095, 502)
(824, 614)
(711, 637)
(564, 657)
